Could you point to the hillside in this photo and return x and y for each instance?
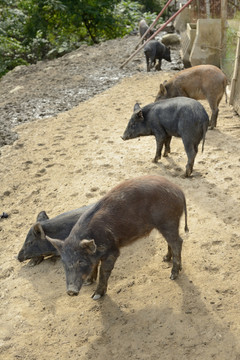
(73, 158)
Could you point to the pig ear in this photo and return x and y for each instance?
(89, 246)
(42, 216)
(136, 107)
(138, 112)
(37, 228)
(140, 115)
(58, 244)
(163, 90)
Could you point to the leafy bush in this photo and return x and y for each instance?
(231, 46)
(32, 30)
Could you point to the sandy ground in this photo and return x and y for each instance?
(61, 163)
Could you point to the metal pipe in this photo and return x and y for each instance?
(160, 29)
(150, 27)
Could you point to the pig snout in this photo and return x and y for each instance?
(125, 136)
(72, 291)
(21, 256)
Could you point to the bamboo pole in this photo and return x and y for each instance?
(152, 25)
(160, 29)
(236, 72)
(223, 29)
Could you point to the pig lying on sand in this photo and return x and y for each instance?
(36, 246)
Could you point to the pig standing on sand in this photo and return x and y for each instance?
(126, 213)
(143, 26)
(199, 82)
(180, 117)
(155, 50)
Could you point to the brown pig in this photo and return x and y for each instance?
(198, 82)
(126, 213)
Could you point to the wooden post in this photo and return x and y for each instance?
(236, 72)
(223, 29)
(208, 9)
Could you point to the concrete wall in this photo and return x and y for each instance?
(187, 40)
(206, 48)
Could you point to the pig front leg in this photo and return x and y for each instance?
(93, 276)
(167, 146)
(158, 67)
(36, 260)
(159, 141)
(105, 271)
(168, 256)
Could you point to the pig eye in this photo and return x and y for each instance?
(133, 126)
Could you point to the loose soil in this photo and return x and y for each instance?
(73, 158)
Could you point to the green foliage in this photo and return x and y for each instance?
(152, 5)
(11, 54)
(231, 45)
(32, 30)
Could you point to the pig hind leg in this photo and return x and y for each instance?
(191, 151)
(105, 271)
(213, 120)
(213, 103)
(171, 234)
(147, 61)
(150, 60)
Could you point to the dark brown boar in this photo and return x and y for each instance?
(128, 212)
(199, 82)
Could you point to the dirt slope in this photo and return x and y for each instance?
(51, 87)
(63, 162)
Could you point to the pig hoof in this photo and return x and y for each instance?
(96, 296)
(188, 173)
(173, 276)
(87, 283)
(35, 261)
(166, 258)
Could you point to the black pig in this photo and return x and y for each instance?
(128, 212)
(36, 246)
(181, 117)
(155, 50)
